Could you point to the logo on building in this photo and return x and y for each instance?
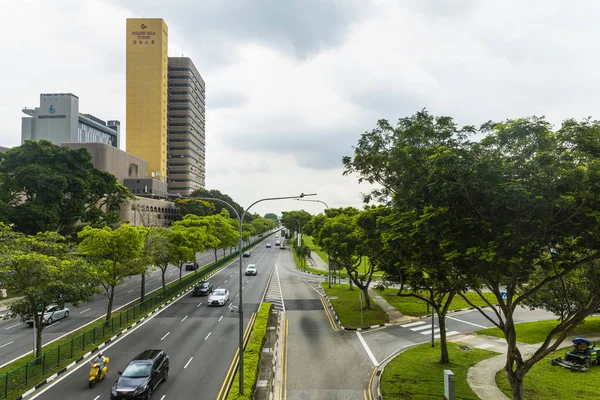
(144, 26)
(51, 109)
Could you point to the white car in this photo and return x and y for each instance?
(53, 313)
(251, 269)
(219, 297)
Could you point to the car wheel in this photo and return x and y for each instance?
(149, 395)
(49, 321)
(66, 314)
(166, 375)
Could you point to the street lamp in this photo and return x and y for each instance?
(241, 245)
(299, 230)
(315, 201)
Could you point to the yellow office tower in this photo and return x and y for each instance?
(147, 69)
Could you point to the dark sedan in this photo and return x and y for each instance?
(141, 376)
(202, 289)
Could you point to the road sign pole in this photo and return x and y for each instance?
(360, 296)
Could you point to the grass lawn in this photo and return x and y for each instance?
(547, 381)
(417, 374)
(347, 307)
(309, 241)
(536, 332)
(415, 307)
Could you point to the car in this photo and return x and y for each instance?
(282, 247)
(251, 269)
(141, 376)
(203, 288)
(192, 266)
(268, 245)
(53, 313)
(219, 297)
(277, 243)
(246, 254)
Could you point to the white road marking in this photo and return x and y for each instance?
(199, 305)
(413, 324)
(220, 319)
(6, 344)
(12, 326)
(237, 295)
(207, 335)
(131, 290)
(420, 328)
(367, 349)
(125, 284)
(280, 292)
(467, 322)
(163, 398)
(184, 318)
(165, 335)
(188, 363)
(97, 397)
(86, 310)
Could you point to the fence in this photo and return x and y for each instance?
(54, 359)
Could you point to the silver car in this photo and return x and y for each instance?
(53, 313)
(219, 297)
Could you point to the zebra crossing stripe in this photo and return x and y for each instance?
(413, 324)
(420, 328)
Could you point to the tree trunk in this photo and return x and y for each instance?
(223, 252)
(180, 271)
(39, 327)
(365, 291)
(216, 257)
(516, 384)
(164, 284)
(513, 356)
(444, 356)
(111, 297)
(143, 288)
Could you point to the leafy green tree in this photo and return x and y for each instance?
(182, 244)
(196, 207)
(512, 198)
(215, 231)
(218, 206)
(115, 253)
(45, 271)
(44, 187)
(272, 217)
(159, 251)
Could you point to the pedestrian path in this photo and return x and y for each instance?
(317, 262)
(425, 328)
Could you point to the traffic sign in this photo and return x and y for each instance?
(504, 295)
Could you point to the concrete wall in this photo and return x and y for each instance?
(55, 120)
(149, 212)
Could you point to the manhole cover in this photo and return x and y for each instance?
(465, 348)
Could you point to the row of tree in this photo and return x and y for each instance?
(516, 211)
(47, 269)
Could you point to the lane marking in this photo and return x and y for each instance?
(420, 328)
(413, 324)
(165, 335)
(86, 310)
(97, 397)
(125, 284)
(220, 319)
(6, 344)
(237, 295)
(131, 291)
(163, 398)
(188, 363)
(207, 335)
(280, 292)
(467, 322)
(225, 281)
(13, 326)
(244, 287)
(199, 305)
(184, 318)
(367, 349)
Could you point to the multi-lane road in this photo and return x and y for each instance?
(200, 341)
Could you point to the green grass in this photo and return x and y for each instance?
(415, 307)
(252, 354)
(417, 374)
(536, 332)
(547, 381)
(347, 307)
(310, 242)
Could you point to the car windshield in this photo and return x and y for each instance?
(220, 292)
(137, 370)
(203, 285)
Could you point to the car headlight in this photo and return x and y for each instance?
(140, 390)
(113, 391)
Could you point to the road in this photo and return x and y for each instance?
(16, 337)
(201, 341)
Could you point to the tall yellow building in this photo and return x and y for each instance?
(147, 101)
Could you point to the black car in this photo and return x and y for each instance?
(191, 266)
(202, 289)
(141, 376)
(246, 254)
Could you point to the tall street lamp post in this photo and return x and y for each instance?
(241, 246)
(329, 267)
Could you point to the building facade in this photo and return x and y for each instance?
(186, 127)
(146, 74)
(58, 120)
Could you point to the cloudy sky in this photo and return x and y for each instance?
(291, 85)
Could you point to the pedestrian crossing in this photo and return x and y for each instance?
(424, 328)
(273, 294)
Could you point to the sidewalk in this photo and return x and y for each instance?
(317, 262)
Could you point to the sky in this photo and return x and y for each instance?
(291, 85)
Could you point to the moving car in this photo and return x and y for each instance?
(53, 313)
(282, 247)
(277, 243)
(219, 297)
(268, 245)
(203, 288)
(251, 269)
(191, 266)
(141, 376)
(246, 254)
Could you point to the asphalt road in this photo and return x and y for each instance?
(201, 341)
(16, 337)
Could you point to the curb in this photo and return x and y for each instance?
(101, 345)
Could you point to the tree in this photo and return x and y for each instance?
(195, 206)
(159, 251)
(44, 187)
(272, 217)
(214, 231)
(45, 271)
(182, 242)
(115, 253)
(218, 206)
(519, 194)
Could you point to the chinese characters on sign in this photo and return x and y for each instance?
(144, 37)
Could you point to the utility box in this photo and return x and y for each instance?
(3, 293)
(448, 385)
